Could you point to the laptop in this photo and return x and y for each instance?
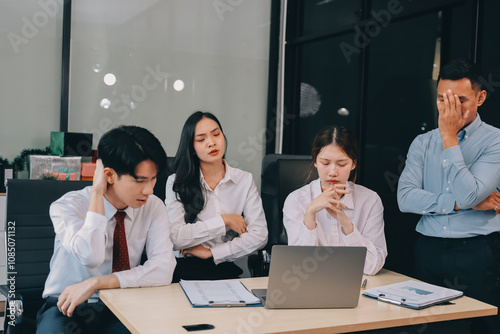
(313, 277)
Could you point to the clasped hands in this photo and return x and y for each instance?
(330, 200)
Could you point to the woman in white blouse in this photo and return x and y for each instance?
(332, 210)
(215, 211)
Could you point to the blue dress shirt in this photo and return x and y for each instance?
(434, 180)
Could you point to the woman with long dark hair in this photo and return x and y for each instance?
(215, 211)
(332, 210)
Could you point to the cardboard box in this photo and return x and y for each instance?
(88, 169)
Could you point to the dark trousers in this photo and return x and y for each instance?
(471, 265)
(87, 318)
(194, 268)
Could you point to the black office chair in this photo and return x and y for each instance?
(29, 247)
(281, 174)
(161, 182)
(292, 174)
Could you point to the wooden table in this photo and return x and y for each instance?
(166, 309)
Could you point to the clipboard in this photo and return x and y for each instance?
(222, 293)
(413, 294)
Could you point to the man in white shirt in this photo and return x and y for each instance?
(101, 232)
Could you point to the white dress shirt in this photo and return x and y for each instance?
(83, 245)
(236, 193)
(364, 210)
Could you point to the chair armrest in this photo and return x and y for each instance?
(258, 264)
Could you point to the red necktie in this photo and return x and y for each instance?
(120, 249)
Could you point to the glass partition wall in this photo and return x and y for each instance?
(152, 63)
(149, 63)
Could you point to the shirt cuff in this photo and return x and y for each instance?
(122, 279)
(221, 253)
(353, 239)
(446, 203)
(451, 155)
(307, 236)
(215, 227)
(95, 221)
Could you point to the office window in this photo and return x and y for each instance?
(328, 90)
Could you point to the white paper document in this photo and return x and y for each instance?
(218, 293)
(413, 294)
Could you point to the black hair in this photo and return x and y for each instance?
(461, 68)
(125, 147)
(186, 165)
(343, 138)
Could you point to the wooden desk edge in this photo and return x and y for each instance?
(375, 325)
(117, 313)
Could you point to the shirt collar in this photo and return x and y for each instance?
(469, 129)
(347, 199)
(110, 210)
(227, 177)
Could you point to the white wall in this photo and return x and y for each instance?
(30, 74)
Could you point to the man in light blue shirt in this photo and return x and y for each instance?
(451, 178)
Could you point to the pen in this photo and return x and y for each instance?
(363, 286)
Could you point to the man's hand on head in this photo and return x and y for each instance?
(99, 187)
(451, 119)
(99, 183)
